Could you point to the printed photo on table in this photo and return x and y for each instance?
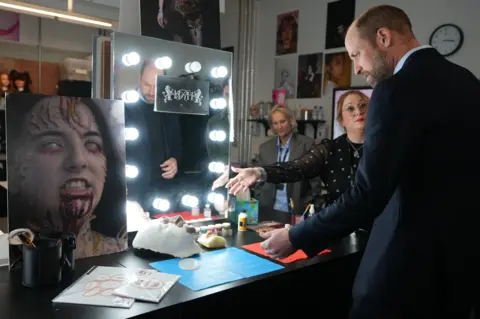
(337, 71)
(194, 22)
(310, 75)
(286, 75)
(340, 15)
(287, 33)
(66, 170)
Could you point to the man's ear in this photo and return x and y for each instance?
(384, 38)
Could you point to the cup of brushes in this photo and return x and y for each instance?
(47, 258)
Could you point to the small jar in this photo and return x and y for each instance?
(242, 221)
(226, 229)
(195, 211)
(207, 211)
(203, 230)
(218, 229)
(288, 226)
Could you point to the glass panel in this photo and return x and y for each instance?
(199, 144)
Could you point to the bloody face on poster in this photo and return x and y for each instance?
(67, 169)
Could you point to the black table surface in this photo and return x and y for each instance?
(17, 301)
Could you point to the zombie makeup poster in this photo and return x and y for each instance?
(66, 169)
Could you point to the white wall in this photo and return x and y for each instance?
(312, 26)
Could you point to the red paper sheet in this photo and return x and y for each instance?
(298, 255)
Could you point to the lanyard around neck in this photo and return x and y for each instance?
(285, 153)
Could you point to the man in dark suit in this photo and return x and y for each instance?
(417, 180)
(158, 148)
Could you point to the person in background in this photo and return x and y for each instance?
(422, 259)
(287, 145)
(158, 147)
(334, 161)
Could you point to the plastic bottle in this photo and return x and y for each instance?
(242, 221)
(207, 212)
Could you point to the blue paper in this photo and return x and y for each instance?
(218, 267)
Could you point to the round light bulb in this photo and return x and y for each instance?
(131, 134)
(131, 171)
(130, 96)
(130, 59)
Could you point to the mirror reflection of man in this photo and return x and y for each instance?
(157, 149)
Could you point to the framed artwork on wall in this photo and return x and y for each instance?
(340, 15)
(337, 71)
(310, 75)
(287, 33)
(194, 22)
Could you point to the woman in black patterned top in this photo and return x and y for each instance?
(335, 161)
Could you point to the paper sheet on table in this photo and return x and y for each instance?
(298, 255)
(218, 267)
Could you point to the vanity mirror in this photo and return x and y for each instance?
(177, 118)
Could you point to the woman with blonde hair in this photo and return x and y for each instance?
(335, 161)
(286, 146)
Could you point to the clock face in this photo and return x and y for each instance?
(447, 39)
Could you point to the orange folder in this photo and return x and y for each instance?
(298, 255)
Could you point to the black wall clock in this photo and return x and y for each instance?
(447, 39)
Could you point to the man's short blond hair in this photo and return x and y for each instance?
(382, 16)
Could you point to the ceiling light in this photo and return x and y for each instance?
(21, 7)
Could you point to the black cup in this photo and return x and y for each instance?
(42, 264)
(69, 245)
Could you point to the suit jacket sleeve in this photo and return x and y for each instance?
(393, 126)
(308, 166)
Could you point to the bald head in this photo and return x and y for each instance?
(147, 81)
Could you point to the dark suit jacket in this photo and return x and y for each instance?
(159, 139)
(418, 180)
(300, 191)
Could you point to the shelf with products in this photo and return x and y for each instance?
(301, 125)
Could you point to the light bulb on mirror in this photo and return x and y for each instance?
(219, 72)
(190, 201)
(217, 135)
(130, 96)
(163, 63)
(218, 103)
(131, 171)
(131, 59)
(131, 134)
(193, 67)
(161, 204)
(216, 167)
